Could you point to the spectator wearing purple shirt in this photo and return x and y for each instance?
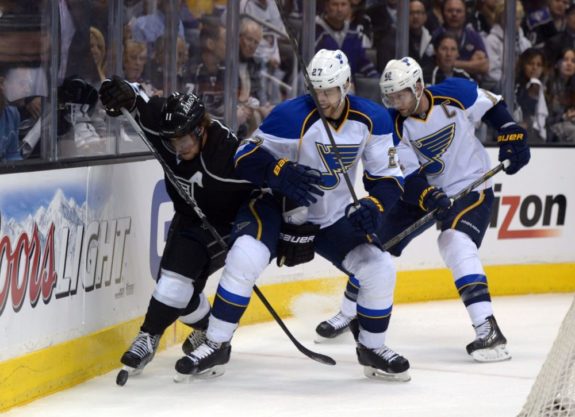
(472, 53)
(333, 32)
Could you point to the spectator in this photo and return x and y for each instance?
(276, 57)
(158, 64)
(562, 40)
(483, 17)
(267, 11)
(539, 25)
(361, 22)
(561, 91)
(420, 46)
(149, 28)
(9, 123)
(209, 76)
(472, 53)
(531, 107)
(253, 104)
(446, 57)
(134, 60)
(557, 10)
(75, 57)
(333, 32)
(98, 50)
(383, 16)
(494, 44)
(434, 15)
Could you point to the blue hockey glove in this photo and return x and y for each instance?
(434, 198)
(367, 215)
(513, 146)
(299, 183)
(115, 94)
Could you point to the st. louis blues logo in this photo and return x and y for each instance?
(433, 146)
(348, 153)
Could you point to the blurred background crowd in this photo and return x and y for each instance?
(55, 53)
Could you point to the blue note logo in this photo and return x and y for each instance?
(330, 177)
(432, 147)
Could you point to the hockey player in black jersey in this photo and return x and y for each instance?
(200, 152)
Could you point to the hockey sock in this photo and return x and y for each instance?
(158, 317)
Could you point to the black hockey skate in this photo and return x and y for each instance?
(333, 327)
(193, 341)
(383, 363)
(490, 344)
(204, 362)
(140, 353)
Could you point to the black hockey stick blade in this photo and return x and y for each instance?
(318, 357)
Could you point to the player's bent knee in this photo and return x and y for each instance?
(372, 267)
(173, 289)
(199, 311)
(455, 246)
(247, 259)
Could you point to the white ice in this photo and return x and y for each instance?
(268, 377)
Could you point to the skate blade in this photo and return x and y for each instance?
(496, 354)
(374, 373)
(211, 373)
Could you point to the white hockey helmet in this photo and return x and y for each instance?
(329, 69)
(398, 75)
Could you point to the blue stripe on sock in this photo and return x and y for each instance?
(231, 298)
(373, 314)
(470, 279)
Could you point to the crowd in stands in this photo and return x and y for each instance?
(449, 38)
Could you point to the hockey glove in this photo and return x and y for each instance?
(366, 216)
(115, 94)
(434, 198)
(296, 244)
(513, 146)
(299, 183)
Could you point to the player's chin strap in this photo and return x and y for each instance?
(296, 50)
(172, 178)
(430, 216)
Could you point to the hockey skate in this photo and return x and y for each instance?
(333, 327)
(205, 362)
(383, 364)
(140, 353)
(490, 345)
(193, 341)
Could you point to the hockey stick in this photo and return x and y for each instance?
(429, 216)
(294, 44)
(205, 223)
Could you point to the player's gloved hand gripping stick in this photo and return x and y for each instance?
(431, 215)
(172, 178)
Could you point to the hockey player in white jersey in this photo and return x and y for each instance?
(441, 156)
(291, 153)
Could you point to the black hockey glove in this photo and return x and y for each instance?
(513, 145)
(299, 183)
(367, 216)
(296, 244)
(115, 94)
(434, 198)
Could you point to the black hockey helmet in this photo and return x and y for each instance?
(181, 114)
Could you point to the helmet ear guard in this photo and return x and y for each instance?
(398, 75)
(181, 114)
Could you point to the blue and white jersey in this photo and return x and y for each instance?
(442, 143)
(294, 131)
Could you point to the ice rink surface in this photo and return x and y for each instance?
(268, 377)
